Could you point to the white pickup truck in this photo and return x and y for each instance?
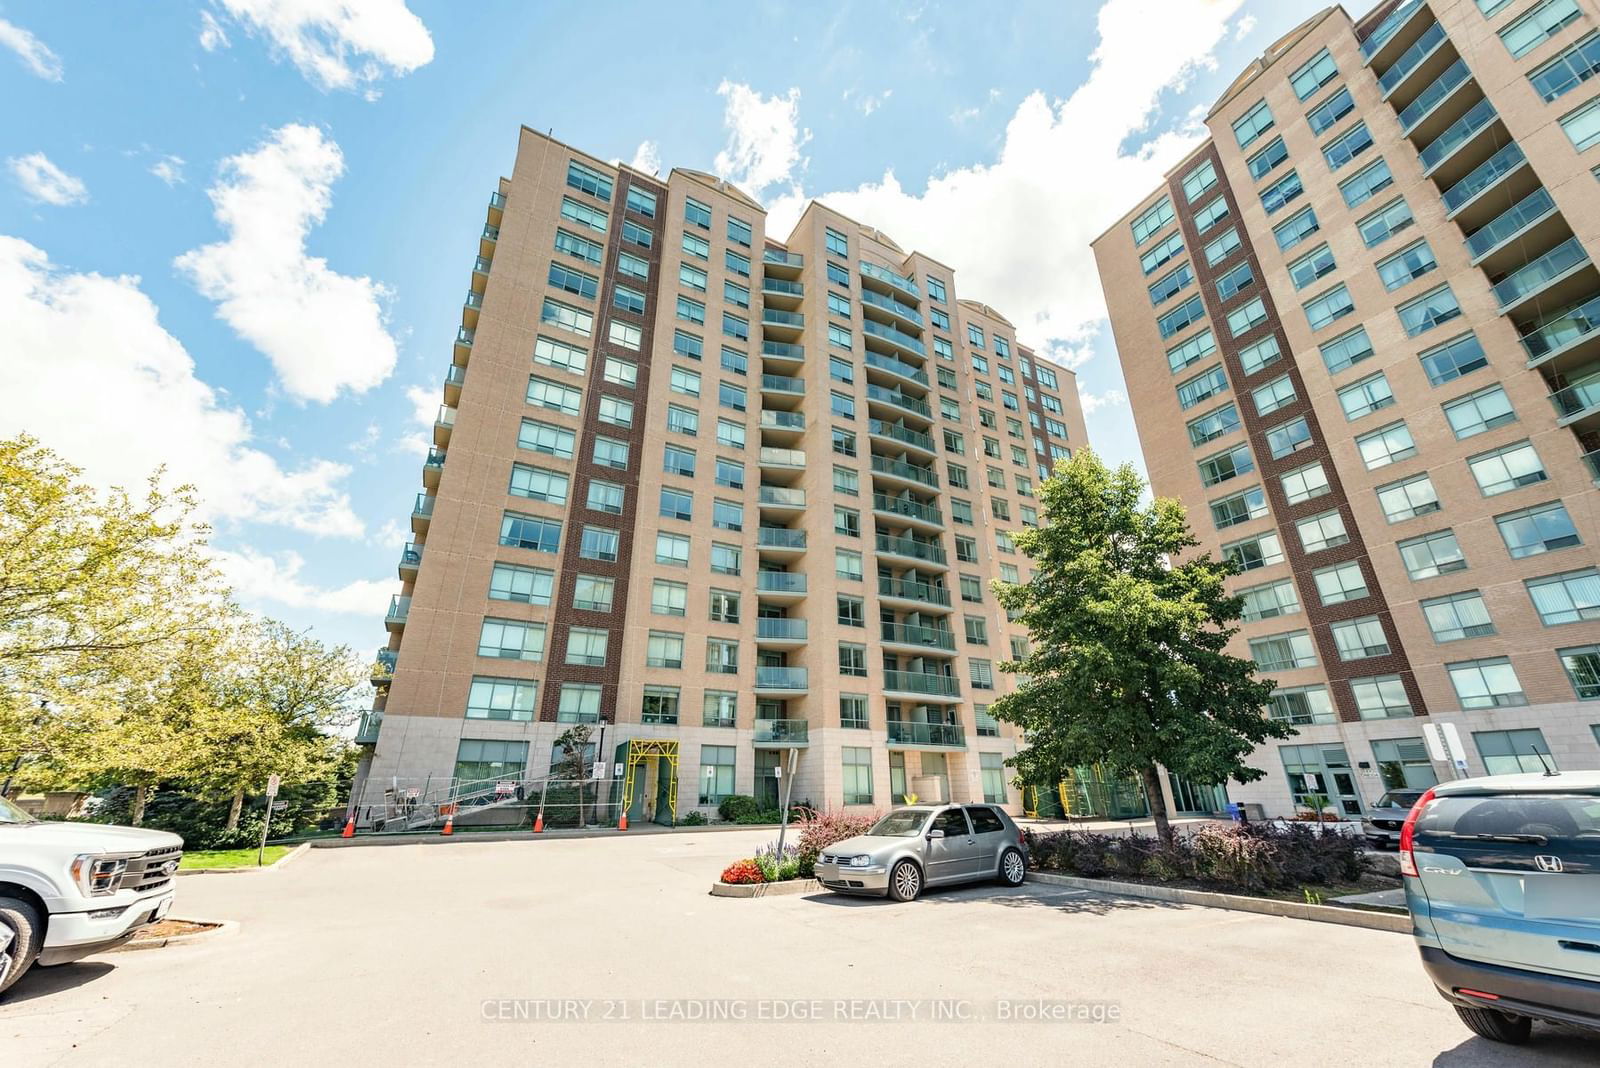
(71, 889)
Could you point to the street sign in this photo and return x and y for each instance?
(272, 785)
(1458, 752)
(279, 806)
(504, 789)
(1435, 739)
(599, 769)
(777, 773)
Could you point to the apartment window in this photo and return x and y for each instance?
(527, 585)
(555, 313)
(961, 511)
(842, 405)
(575, 282)
(1282, 652)
(980, 673)
(1507, 468)
(1369, 395)
(1280, 193)
(1366, 183)
(722, 656)
(1304, 483)
(628, 300)
(1223, 247)
(724, 606)
(729, 473)
(1144, 227)
(616, 411)
(957, 475)
(1432, 554)
(1457, 616)
(504, 699)
(687, 344)
(669, 598)
(555, 354)
(660, 705)
(544, 393)
(1235, 462)
(1347, 146)
(641, 201)
(726, 559)
(966, 549)
(1262, 163)
(591, 593)
(1328, 308)
(1301, 705)
(720, 708)
(1428, 311)
(1180, 318)
(851, 611)
(847, 521)
(1340, 583)
(1346, 350)
(1570, 598)
(537, 484)
(727, 515)
(731, 396)
(847, 564)
(1360, 639)
(1234, 282)
(1214, 424)
(579, 247)
(1386, 445)
(1312, 266)
(1541, 22)
(1274, 599)
(852, 660)
(530, 532)
(1199, 181)
(635, 234)
(681, 420)
(1490, 683)
(598, 543)
(1512, 752)
(1567, 71)
(1211, 214)
(730, 434)
(1323, 531)
(1191, 351)
(971, 589)
(1206, 384)
(732, 325)
(620, 372)
(509, 639)
(1288, 437)
(1454, 358)
(1388, 220)
(1407, 498)
(977, 631)
(1480, 411)
(1239, 508)
(1540, 529)
(1410, 263)
(1325, 115)
(1251, 553)
(1583, 671)
(1295, 229)
(609, 452)
(1254, 123)
(716, 773)
(1170, 285)
(1274, 395)
(587, 646)
(1381, 697)
(1313, 75)
(583, 215)
(672, 549)
(1164, 251)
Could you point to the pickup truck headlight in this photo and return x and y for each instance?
(860, 861)
(98, 876)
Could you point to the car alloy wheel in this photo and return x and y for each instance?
(1013, 867)
(907, 881)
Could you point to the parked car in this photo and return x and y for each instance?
(1503, 882)
(914, 848)
(1381, 826)
(68, 890)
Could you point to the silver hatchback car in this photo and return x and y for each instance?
(934, 845)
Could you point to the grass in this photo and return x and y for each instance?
(231, 858)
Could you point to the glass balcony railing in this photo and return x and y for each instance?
(781, 678)
(782, 318)
(497, 201)
(775, 457)
(781, 497)
(941, 734)
(446, 416)
(782, 732)
(783, 350)
(435, 458)
(905, 506)
(1457, 134)
(903, 310)
(920, 550)
(1533, 277)
(1592, 461)
(776, 420)
(423, 504)
(781, 629)
(780, 582)
(1484, 175)
(474, 300)
(786, 259)
(367, 729)
(399, 608)
(464, 336)
(899, 367)
(1562, 328)
(1442, 86)
(921, 682)
(1407, 61)
(900, 433)
(1388, 28)
(783, 384)
(456, 375)
(780, 538)
(411, 555)
(481, 265)
(889, 333)
(491, 233)
(883, 274)
(784, 286)
(1576, 398)
(885, 466)
(913, 590)
(1524, 213)
(907, 634)
(388, 659)
(900, 400)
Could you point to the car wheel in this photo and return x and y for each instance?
(21, 932)
(1496, 1026)
(905, 881)
(1012, 868)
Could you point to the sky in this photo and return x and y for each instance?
(235, 234)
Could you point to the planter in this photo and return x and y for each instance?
(1375, 921)
(783, 889)
(191, 931)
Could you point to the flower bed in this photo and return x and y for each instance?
(813, 832)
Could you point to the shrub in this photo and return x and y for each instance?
(819, 830)
(694, 818)
(743, 871)
(738, 808)
(775, 868)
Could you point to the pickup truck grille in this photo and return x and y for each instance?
(150, 872)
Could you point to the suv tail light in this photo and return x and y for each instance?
(1408, 860)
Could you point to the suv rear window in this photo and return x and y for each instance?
(984, 820)
(1511, 829)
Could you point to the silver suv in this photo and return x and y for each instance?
(1503, 882)
(913, 848)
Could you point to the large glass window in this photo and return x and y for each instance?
(1570, 598)
(1540, 529)
(1457, 616)
(510, 639)
(716, 773)
(857, 761)
(1490, 683)
(510, 699)
(1514, 752)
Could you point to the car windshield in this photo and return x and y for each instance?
(10, 813)
(1399, 799)
(902, 823)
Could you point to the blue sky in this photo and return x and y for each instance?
(234, 238)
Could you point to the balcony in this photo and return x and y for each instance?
(780, 498)
(896, 283)
(779, 324)
(1465, 130)
(488, 239)
(922, 639)
(1591, 460)
(386, 660)
(497, 206)
(1561, 264)
(1562, 332)
(775, 540)
(367, 729)
(784, 263)
(1411, 60)
(916, 439)
(911, 549)
(1581, 400)
(1513, 224)
(480, 273)
(470, 309)
(909, 509)
(783, 350)
(410, 560)
(399, 609)
(783, 385)
(780, 631)
(921, 684)
(454, 378)
(919, 593)
(781, 734)
(463, 347)
(879, 395)
(1389, 29)
(781, 680)
(905, 735)
(443, 423)
(1481, 179)
(784, 291)
(1432, 99)
(783, 459)
(899, 469)
(875, 361)
(433, 468)
(900, 310)
(421, 513)
(785, 422)
(781, 583)
(898, 338)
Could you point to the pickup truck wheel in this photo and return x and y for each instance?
(22, 931)
(1496, 1026)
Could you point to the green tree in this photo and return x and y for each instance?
(574, 764)
(1128, 664)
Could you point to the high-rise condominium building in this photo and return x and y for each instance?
(721, 496)
(1361, 331)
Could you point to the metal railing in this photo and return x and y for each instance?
(1407, 61)
(1562, 328)
(879, 300)
(925, 682)
(912, 547)
(924, 475)
(783, 384)
(910, 634)
(1576, 398)
(505, 802)
(889, 333)
(782, 457)
(783, 350)
(782, 258)
(900, 400)
(1442, 86)
(900, 433)
(913, 590)
(772, 419)
(780, 538)
(423, 505)
(1533, 276)
(942, 734)
(435, 458)
(882, 502)
(782, 732)
(1388, 28)
(883, 274)
(899, 367)
(780, 582)
(1524, 213)
(367, 729)
(780, 629)
(779, 497)
(781, 678)
(411, 554)
(399, 608)
(782, 318)
(782, 285)
(1483, 176)
(1457, 134)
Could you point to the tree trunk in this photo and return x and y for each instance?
(234, 809)
(136, 815)
(1158, 804)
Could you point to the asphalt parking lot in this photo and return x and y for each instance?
(610, 951)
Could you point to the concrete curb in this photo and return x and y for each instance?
(282, 861)
(223, 927)
(748, 890)
(377, 838)
(1374, 921)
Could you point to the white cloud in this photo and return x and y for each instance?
(647, 158)
(46, 183)
(867, 103)
(116, 394)
(212, 35)
(257, 576)
(764, 138)
(425, 401)
(169, 169)
(1245, 25)
(323, 331)
(962, 116)
(345, 45)
(1094, 402)
(1063, 169)
(34, 53)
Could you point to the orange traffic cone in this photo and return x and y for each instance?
(622, 824)
(538, 823)
(449, 824)
(349, 828)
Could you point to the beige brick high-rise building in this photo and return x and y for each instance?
(1359, 327)
(699, 487)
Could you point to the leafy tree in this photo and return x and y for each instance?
(1128, 666)
(574, 764)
